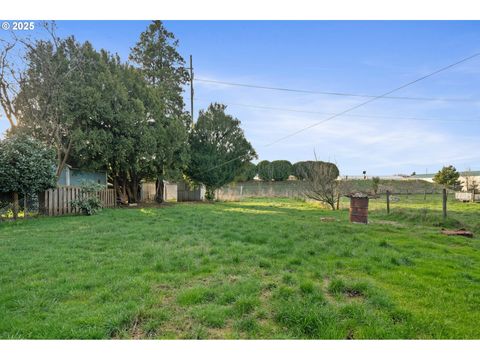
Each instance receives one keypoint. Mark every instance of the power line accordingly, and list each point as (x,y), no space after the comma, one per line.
(358,106)
(375,98)
(262,107)
(335,93)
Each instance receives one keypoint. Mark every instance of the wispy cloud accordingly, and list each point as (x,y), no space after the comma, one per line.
(380,145)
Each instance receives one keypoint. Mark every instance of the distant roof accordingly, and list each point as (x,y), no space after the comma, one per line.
(369,177)
(427,176)
(423,176)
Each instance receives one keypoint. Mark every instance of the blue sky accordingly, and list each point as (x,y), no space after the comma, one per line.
(336,56)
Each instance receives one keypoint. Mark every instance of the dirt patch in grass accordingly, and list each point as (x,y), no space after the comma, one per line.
(352,293)
(335,288)
(221,333)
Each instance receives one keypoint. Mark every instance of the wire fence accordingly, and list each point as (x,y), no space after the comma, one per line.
(296,188)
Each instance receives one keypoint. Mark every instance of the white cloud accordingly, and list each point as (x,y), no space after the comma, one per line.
(382,146)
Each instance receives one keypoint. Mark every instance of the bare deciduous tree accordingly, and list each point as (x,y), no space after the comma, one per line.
(321,182)
(12,70)
(34,76)
(10,78)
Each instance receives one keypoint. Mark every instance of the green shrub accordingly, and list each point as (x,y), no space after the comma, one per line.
(247,173)
(281,170)
(265,170)
(89,203)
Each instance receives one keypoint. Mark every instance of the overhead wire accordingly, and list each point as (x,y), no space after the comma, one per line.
(333,93)
(336,115)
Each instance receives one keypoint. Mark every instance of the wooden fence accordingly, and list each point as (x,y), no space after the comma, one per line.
(185,193)
(59,201)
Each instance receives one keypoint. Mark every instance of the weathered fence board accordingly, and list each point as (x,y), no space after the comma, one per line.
(59,201)
(185,193)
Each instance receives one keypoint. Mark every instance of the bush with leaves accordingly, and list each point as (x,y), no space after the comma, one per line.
(299,169)
(247,173)
(89,203)
(281,170)
(27,167)
(265,170)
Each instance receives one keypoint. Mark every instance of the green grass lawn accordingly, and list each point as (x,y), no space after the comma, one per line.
(261,268)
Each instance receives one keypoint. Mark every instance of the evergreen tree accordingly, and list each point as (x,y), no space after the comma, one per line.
(219,149)
(163,68)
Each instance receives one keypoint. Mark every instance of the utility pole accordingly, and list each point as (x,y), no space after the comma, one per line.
(191,88)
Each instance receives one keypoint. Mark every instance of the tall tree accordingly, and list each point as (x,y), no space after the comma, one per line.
(163,68)
(59,99)
(219,149)
(122,137)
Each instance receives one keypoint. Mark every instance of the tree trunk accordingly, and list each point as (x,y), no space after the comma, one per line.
(444,204)
(160,189)
(25,206)
(122,188)
(128,187)
(62,160)
(15,205)
(132,190)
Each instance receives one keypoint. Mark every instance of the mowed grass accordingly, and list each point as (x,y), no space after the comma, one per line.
(261,268)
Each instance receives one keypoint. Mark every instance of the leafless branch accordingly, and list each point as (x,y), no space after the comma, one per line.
(321,182)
